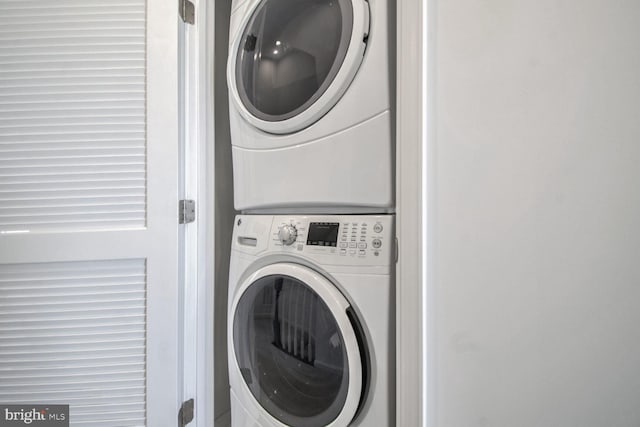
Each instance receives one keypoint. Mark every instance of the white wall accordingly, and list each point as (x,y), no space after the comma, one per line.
(537,213)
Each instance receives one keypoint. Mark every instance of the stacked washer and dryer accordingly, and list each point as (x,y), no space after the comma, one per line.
(311,295)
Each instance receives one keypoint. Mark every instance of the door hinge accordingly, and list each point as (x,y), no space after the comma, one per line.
(187,11)
(186,211)
(185,414)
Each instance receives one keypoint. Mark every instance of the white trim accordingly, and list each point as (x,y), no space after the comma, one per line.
(337,305)
(188,190)
(162,190)
(428,21)
(205,410)
(429,159)
(337,88)
(412,223)
(423,217)
(198,237)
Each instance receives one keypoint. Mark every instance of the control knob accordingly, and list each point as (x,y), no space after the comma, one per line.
(288,234)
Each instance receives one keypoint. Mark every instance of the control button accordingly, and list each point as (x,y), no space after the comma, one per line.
(363,231)
(376,253)
(362,245)
(363,239)
(343,251)
(376,243)
(352,245)
(378,227)
(361,252)
(343,238)
(352,251)
(343,244)
(353,239)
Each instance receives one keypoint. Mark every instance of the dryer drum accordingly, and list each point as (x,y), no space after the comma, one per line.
(291,351)
(290,53)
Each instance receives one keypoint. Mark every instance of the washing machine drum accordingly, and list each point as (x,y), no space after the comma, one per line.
(300,349)
(293,59)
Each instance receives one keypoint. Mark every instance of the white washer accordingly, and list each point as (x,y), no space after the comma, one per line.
(310,88)
(310,321)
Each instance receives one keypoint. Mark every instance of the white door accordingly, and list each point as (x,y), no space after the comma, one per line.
(88,208)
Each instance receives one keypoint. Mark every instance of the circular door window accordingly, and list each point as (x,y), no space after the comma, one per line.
(289,54)
(291,352)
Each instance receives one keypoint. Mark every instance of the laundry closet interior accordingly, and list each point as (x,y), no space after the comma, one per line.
(305,129)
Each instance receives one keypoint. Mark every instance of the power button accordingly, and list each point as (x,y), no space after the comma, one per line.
(377,227)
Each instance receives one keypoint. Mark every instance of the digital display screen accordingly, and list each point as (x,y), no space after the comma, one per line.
(323,234)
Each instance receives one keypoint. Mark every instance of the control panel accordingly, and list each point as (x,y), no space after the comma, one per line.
(339,239)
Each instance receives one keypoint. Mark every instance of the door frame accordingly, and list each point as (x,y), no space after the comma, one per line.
(198,238)
(415,184)
(414,193)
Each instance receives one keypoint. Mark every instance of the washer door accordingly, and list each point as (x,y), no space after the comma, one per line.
(293,59)
(295,347)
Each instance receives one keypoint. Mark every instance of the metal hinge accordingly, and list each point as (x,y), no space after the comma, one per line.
(187,11)
(185,414)
(186,211)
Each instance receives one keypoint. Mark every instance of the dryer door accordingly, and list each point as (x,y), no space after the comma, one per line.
(293,59)
(296,347)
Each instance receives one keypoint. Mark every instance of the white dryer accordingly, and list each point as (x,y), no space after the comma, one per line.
(311,93)
(310,321)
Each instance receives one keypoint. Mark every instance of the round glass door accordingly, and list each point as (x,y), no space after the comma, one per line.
(289,53)
(291,352)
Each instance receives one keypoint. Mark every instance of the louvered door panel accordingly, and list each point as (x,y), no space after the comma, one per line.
(88,209)
(74,333)
(72,115)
